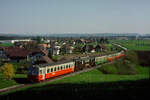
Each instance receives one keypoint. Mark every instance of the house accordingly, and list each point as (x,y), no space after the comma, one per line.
(3,55)
(69,49)
(16,54)
(26,44)
(100,48)
(88,48)
(44,46)
(54,50)
(103,47)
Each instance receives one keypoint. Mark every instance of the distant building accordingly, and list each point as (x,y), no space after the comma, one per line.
(122,38)
(13,41)
(44,46)
(88,48)
(100,48)
(69,49)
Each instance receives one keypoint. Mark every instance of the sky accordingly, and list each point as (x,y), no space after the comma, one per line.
(74,16)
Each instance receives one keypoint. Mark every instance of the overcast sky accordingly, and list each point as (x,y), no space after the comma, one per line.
(49,16)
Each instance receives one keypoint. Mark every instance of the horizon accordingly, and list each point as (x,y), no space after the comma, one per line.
(74,16)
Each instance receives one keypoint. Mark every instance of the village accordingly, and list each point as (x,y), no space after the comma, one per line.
(42,50)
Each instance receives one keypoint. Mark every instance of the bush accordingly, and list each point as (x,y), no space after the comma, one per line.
(125,67)
(127,64)
(108,69)
(21,67)
(7,71)
(132,57)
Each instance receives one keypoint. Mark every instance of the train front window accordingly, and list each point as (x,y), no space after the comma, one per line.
(40,72)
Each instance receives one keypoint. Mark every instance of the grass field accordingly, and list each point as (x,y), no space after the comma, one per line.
(93,84)
(134,44)
(6,44)
(8,83)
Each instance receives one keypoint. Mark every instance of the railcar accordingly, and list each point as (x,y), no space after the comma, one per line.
(84,62)
(100,60)
(110,57)
(38,73)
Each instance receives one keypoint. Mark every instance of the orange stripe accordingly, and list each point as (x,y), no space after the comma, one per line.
(57,73)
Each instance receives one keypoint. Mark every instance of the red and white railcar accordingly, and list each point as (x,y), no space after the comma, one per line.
(38,73)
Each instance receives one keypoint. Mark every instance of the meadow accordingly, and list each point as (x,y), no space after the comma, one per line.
(139,45)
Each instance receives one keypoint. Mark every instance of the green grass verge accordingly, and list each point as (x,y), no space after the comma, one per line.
(7,83)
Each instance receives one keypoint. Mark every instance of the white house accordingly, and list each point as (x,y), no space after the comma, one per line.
(55,50)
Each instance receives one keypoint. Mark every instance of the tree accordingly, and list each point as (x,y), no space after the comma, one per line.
(7,71)
(1,62)
(63,49)
(77,49)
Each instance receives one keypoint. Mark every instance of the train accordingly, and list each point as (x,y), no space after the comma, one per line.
(38,73)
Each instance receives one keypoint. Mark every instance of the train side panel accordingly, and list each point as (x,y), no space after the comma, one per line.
(100,60)
(59,70)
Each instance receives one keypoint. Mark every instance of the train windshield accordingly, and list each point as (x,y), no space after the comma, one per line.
(33,70)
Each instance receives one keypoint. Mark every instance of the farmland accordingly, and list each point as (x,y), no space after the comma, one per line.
(139,45)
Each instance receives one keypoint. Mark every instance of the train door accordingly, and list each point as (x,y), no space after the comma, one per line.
(44,73)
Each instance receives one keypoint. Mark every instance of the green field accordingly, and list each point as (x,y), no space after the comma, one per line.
(141,45)
(6,44)
(88,84)
(7,83)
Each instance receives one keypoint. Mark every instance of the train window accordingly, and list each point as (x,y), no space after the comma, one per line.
(51,69)
(54,69)
(66,66)
(69,66)
(40,71)
(48,70)
(61,68)
(58,68)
